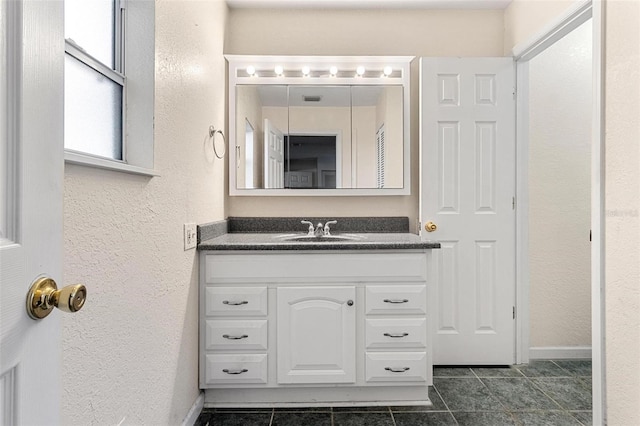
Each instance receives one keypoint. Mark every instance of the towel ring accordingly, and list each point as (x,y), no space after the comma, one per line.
(212,135)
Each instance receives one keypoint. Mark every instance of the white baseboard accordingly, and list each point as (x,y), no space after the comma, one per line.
(560,352)
(194,412)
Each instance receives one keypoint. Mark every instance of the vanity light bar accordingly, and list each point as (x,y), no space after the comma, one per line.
(306,72)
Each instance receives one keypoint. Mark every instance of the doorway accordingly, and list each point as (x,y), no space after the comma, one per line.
(559,113)
(577,15)
(310,161)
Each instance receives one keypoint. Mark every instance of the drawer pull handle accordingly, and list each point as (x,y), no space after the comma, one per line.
(396,335)
(232,303)
(226,370)
(226,336)
(395,300)
(397,369)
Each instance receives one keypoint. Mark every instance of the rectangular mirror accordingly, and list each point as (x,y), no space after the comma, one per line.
(294,136)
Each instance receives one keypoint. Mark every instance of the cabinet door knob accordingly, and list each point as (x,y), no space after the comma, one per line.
(430,226)
(350,302)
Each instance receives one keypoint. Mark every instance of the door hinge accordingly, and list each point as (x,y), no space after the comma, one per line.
(418,225)
(514,312)
(513,203)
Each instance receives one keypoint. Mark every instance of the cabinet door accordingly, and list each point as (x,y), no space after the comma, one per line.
(316,334)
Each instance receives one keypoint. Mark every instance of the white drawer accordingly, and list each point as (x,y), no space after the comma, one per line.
(396,333)
(236,335)
(303,266)
(396,367)
(235,301)
(396,299)
(227,369)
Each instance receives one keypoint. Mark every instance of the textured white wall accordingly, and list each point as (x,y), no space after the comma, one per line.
(132,352)
(359,32)
(622,204)
(560,114)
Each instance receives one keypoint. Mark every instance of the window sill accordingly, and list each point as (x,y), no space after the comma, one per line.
(103,163)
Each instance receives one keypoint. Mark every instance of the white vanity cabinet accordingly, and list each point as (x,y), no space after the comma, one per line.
(282,328)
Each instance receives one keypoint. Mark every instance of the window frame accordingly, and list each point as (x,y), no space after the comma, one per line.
(134,63)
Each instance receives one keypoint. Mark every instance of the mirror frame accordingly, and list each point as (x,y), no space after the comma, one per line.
(265,65)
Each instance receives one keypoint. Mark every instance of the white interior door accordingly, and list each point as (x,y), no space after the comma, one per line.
(273,156)
(467,190)
(31,178)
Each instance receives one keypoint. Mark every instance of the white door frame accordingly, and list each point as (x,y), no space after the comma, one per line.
(573,17)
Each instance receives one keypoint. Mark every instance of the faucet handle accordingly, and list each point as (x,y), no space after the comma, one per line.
(306,222)
(326,226)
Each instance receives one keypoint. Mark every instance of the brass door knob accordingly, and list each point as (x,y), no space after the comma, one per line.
(44,295)
(430,226)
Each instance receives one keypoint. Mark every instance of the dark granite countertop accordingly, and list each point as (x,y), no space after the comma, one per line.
(246,234)
(369,241)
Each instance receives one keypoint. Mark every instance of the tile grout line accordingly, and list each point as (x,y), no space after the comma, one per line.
(506,409)
(393,419)
(445,404)
(530,379)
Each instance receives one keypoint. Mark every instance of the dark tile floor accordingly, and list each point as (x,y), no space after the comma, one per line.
(553,393)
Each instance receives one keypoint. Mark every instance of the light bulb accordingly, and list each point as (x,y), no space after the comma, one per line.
(251,70)
(279,70)
(388,70)
(333,71)
(305,70)
(360,70)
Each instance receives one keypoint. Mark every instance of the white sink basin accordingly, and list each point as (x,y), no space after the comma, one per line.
(320,239)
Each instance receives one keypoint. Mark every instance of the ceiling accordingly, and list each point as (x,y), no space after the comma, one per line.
(368,4)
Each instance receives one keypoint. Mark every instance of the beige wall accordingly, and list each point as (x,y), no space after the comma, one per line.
(560,117)
(132,352)
(622,204)
(524,19)
(358,32)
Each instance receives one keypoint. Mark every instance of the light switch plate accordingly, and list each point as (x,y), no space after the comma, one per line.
(190,236)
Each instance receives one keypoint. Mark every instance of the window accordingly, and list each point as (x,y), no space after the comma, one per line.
(109,71)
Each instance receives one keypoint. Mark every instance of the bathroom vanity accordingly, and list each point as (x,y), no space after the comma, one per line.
(339,322)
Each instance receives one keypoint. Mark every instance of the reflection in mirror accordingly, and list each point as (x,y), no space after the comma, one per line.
(254,106)
(377,137)
(308,137)
(319,139)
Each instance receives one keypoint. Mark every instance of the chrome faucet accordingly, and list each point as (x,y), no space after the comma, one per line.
(326,226)
(319,230)
(306,222)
